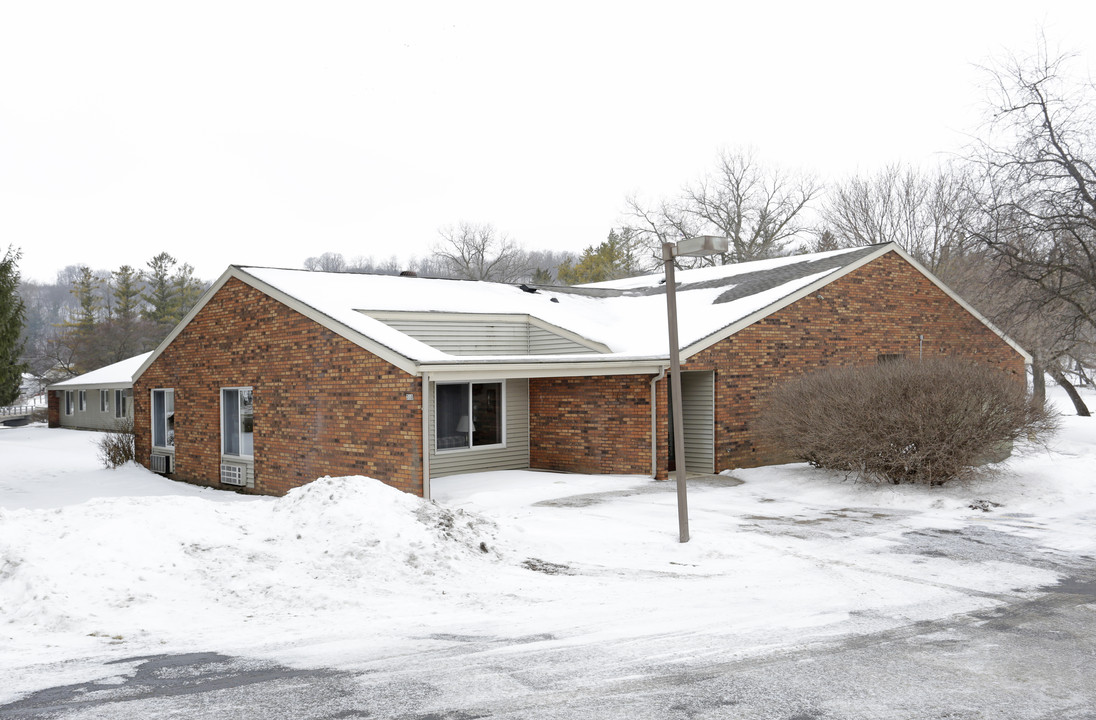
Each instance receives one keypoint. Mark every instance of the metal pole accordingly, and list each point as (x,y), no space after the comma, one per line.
(675,393)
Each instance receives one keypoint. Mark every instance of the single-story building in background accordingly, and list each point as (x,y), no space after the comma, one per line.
(277,377)
(96,400)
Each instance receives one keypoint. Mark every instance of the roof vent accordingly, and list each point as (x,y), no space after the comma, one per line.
(409,273)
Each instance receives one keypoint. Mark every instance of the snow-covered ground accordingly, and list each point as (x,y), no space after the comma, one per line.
(109,564)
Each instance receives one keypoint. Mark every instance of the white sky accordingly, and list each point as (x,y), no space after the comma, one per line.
(263,133)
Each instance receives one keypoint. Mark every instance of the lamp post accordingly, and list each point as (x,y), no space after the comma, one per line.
(690,247)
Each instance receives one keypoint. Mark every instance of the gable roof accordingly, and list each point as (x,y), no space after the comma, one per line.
(116,375)
(600,328)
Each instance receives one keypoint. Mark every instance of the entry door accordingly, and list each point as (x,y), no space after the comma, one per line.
(698,406)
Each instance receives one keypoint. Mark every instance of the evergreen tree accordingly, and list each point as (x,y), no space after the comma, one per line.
(87,301)
(542,276)
(187,290)
(126,293)
(12,317)
(160,292)
(125,334)
(613,259)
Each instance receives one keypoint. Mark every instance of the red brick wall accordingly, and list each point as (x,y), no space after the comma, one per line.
(53,411)
(590,424)
(882,308)
(323,405)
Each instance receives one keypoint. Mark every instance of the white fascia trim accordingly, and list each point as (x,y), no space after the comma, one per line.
(442,373)
(782,303)
(205,298)
(966,306)
(822,282)
(69,385)
(381,351)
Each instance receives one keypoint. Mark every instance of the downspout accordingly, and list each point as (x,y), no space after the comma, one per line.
(425,436)
(654,422)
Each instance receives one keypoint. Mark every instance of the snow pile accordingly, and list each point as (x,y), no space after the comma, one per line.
(168,566)
(348,572)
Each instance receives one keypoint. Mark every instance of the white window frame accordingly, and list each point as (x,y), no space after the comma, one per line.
(82,395)
(240,428)
(502,416)
(104,401)
(120,410)
(152,414)
(70,403)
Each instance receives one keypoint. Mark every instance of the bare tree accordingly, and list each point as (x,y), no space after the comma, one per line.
(369,266)
(1044,326)
(761,210)
(327,262)
(925,212)
(473,251)
(1037,186)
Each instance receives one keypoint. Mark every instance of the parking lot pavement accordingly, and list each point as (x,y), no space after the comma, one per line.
(1027,658)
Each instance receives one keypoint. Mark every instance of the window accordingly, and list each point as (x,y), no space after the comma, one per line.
(469,415)
(83,400)
(69,403)
(163,418)
(237,422)
(120,408)
(104,401)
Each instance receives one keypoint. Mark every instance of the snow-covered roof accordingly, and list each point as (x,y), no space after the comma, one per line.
(116,375)
(613,326)
(626,317)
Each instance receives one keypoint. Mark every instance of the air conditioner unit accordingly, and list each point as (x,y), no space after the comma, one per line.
(162,464)
(232,475)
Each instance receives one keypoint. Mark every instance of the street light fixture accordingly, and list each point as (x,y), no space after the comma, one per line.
(699,246)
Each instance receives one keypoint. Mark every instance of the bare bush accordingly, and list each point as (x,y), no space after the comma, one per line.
(116,448)
(903,421)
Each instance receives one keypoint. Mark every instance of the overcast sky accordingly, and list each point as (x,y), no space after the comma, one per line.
(263,133)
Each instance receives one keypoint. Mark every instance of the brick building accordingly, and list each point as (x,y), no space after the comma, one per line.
(278,377)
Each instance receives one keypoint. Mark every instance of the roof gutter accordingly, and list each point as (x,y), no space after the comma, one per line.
(504,369)
(426,436)
(654,421)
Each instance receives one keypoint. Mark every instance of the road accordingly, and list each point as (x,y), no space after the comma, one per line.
(1025,658)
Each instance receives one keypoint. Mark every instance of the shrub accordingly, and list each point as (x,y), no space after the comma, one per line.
(905,421)
(116,448)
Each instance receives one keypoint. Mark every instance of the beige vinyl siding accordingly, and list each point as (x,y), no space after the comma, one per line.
(545,342)
(513,456)
(91,418)
(698,405)
(495,336)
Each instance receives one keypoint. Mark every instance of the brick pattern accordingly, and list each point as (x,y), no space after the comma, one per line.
(322,405)
(881,308)
(53,411)
(590,424)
